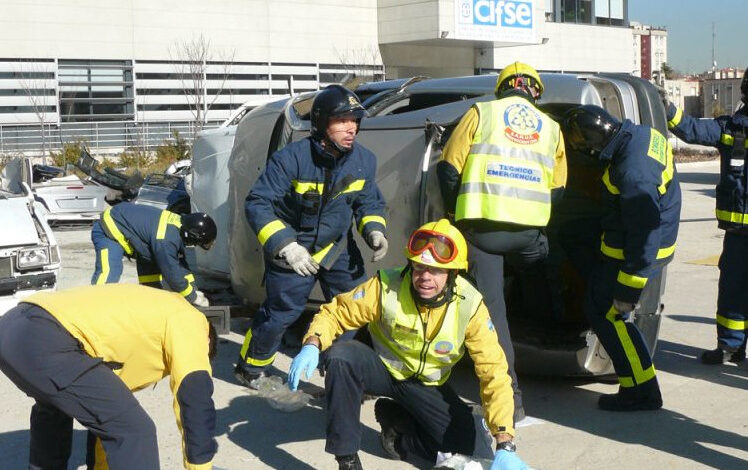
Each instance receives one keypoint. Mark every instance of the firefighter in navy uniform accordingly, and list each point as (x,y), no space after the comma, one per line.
(638,240)
(728,135)
(421,319)
(81,352)
(156,239)
(301,208)
(501,168)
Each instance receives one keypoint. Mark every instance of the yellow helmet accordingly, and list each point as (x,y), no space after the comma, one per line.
(508,75)
(438,244)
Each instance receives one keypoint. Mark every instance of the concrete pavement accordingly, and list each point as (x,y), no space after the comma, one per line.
(704,422)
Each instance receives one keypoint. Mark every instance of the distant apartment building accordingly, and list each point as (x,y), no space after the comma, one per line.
(721,92)
(686,94)
(650,51)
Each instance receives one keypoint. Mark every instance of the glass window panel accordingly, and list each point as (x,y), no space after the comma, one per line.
(602,8)
(616,9)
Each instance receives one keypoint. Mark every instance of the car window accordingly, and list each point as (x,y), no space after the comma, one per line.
(610,97)
(406,103)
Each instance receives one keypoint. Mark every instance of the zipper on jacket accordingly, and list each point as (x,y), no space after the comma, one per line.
(426,344)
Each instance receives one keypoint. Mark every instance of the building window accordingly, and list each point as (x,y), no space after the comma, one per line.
(609,12)
(576,11)
(92,90)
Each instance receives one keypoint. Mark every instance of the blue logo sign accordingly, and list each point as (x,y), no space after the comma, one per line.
(507,13)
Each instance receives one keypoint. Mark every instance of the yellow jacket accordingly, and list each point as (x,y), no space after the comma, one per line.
(458,146)
(152,333)
(361,306)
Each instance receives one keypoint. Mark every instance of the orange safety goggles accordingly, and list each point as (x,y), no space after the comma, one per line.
(442,247)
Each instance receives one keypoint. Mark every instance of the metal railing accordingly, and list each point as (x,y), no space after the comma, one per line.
(105,136)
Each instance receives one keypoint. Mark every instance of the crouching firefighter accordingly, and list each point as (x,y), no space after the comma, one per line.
(638,240)
(156,239)
(301,208)
(421,319)
(82,352)
(728,135)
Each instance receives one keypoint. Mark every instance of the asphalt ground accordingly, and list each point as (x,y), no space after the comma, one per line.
(704,422)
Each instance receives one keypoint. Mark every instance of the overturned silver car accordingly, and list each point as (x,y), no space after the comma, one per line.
(409,122)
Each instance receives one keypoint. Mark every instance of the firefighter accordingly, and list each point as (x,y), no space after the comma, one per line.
(501,168)
(156,239)
(420,318)
(301,208)
(639,232)
(728,135)
(81,352)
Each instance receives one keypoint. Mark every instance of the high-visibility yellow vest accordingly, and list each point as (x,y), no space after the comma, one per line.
(399,335)
(509,171)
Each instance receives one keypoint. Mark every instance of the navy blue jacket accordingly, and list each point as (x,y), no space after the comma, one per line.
(644,206)
(732,193)
(152,235)
(308,196)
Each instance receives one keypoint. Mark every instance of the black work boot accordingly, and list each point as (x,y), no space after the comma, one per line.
(720,356)
(248,379)
(393,419)
(348,462)
(642,397)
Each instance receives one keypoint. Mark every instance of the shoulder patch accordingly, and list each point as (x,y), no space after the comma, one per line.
(359,294)
(658,147)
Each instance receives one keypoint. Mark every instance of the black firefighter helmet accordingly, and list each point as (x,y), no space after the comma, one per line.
(744,86)
(333,101)
(198,229)
(589,128)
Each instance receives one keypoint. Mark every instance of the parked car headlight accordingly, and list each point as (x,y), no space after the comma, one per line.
(33,257)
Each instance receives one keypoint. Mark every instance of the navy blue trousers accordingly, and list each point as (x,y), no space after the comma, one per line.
(48,364)
(621,339)
(287,295)
(732,300)
(442,421)
(109,255)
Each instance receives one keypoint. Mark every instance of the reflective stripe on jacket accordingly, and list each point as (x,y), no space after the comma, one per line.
(153,236)
(726,134)
(306,195)
(644,200)
(399,335)
(362,305)
(508,174)
(152,333)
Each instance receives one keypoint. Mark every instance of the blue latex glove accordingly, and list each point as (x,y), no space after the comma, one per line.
(306,360)
(505,460)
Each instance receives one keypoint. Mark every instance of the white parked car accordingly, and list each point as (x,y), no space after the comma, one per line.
(29,255)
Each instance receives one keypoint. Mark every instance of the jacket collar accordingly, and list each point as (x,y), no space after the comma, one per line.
(618,141)
(325,158)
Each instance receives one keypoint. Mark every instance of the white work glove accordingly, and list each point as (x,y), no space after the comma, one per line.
(200,300)
(377,242)
(299,259)
(623,307)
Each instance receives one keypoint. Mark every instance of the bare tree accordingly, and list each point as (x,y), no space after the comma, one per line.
(192,60)
(37,83)
(361,65)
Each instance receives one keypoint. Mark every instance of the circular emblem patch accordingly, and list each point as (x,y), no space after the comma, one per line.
(443,347)
(523,124)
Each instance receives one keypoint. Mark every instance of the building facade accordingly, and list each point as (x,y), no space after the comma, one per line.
(119,70)
(650,51)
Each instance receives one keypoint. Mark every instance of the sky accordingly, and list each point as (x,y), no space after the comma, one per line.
(689,25)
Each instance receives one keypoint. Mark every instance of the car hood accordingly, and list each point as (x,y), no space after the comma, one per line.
(14,212)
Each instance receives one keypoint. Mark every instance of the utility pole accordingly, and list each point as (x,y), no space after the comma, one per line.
(714,39)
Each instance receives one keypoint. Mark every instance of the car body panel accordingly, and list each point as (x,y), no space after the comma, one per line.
(406,129)
(25,229)
(210,193)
